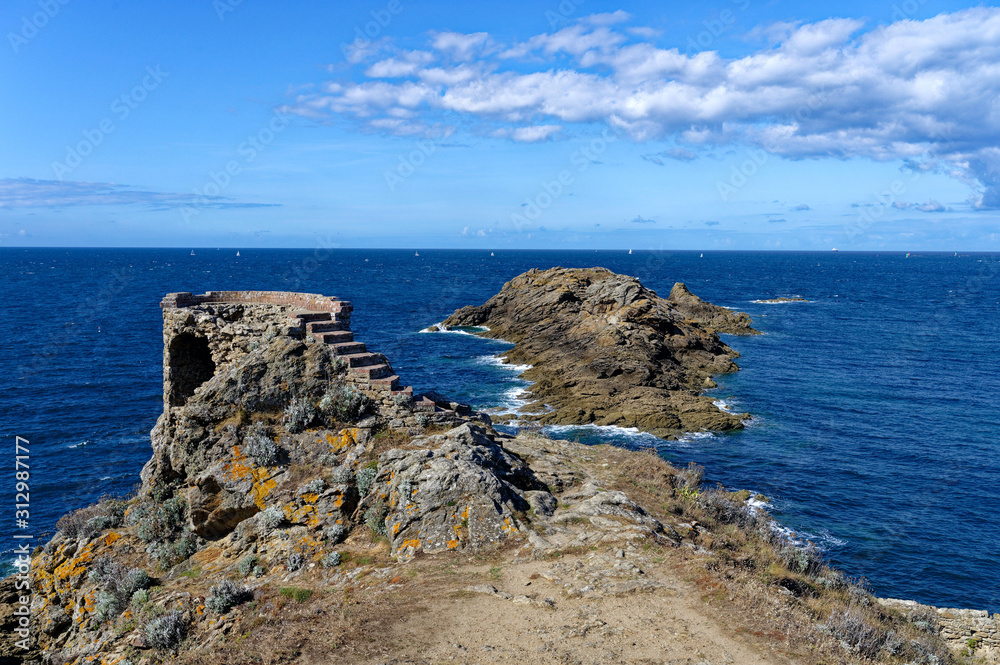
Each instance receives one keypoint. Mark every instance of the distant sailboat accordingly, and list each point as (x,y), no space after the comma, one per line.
(907,255)
(702,256)
(192,252)
(492,254)
(835,249)
(237,252)
(630,251)
(416,253)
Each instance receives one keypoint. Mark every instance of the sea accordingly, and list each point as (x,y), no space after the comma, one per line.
(875,413)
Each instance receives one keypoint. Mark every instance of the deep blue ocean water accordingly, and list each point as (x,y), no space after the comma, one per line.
(876,410)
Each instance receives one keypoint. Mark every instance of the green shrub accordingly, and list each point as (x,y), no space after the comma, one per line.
(167,631)
(375,518)
(117,584)
(226,595)
(170,553)
(297,594)
(161,521)
(107,513)
(248,565)
(140,598)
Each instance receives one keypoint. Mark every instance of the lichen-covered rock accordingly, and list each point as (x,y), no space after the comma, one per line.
(450,491)
(604,349)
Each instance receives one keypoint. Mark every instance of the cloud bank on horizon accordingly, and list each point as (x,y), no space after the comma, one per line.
(926,92)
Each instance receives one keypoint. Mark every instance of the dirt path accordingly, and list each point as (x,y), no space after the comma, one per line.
(614,606)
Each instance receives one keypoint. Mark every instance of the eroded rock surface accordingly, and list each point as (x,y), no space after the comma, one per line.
(606,350)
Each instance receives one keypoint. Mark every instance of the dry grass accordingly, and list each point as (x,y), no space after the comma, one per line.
(766,587)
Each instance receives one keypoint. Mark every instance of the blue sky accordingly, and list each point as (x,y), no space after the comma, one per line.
(738,124)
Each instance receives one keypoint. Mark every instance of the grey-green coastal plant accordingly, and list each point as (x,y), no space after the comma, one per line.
(298,415)
(345,404)
(272,517)
(226,595)
(248,565)
(116,583)
(260,447)
(375,517)
(364,478)
(167,631)
(335,533)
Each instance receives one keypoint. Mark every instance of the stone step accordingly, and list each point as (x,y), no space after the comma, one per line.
(390,383)
(348,348)
(326,326)
(374,371)
(335,337)
(406,390)
(360,360)
(423,404)
(308,317)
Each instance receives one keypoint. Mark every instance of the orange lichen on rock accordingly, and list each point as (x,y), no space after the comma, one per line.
(345,439)
(241,469)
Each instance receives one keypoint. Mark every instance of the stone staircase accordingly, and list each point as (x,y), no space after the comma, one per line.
(333,329)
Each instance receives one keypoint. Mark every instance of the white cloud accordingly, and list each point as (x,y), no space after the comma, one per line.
(923,91)
(31,193)
(461,46)
(535,134)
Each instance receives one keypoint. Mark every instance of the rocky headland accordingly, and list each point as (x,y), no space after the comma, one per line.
(302,506)
(606,350)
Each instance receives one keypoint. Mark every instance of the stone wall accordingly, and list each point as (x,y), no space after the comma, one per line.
(972,631)
(201,338)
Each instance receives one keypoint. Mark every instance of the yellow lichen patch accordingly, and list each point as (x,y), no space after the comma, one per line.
(310,497)
(395,528)
(75,566)
(345,439)
(414,543)
(89,603)
(111,538)
(508,525)
(452,544)
(305,515)
(241,469)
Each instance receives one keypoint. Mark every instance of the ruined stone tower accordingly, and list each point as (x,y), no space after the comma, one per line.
(204,333)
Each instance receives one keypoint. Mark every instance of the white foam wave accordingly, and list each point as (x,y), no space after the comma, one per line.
(632,435)
(474,331)
(497,361)
(78,445)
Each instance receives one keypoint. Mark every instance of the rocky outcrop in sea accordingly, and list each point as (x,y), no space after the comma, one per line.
(606,350)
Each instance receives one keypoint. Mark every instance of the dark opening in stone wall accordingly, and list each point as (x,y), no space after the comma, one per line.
(191,365)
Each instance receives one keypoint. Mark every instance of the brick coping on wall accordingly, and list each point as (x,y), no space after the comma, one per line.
(313,302)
